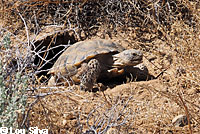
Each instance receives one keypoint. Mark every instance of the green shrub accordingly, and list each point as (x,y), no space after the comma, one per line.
(12,91)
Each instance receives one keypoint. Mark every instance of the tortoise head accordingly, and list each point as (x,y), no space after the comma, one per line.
(129,57)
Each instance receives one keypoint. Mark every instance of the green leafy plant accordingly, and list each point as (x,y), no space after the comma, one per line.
(12,92)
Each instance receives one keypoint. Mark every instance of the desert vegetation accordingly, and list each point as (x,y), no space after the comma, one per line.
(34,33)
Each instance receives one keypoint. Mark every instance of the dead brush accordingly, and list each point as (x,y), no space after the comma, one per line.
(100,120)
(146,24)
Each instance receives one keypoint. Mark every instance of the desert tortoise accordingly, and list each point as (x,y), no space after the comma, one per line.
(85,61)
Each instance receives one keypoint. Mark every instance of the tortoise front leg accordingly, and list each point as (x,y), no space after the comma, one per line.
(90,75)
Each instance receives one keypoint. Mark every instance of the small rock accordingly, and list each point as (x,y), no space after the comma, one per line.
(64,122)
(180,121)
(112,131)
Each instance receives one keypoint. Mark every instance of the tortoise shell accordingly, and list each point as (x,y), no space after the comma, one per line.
(80,52)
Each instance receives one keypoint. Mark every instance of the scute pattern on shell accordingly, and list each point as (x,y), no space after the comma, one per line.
(84,50)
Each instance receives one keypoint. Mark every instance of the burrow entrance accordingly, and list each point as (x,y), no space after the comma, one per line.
(49,49)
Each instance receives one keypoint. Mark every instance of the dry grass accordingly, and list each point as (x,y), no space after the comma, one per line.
(166,31)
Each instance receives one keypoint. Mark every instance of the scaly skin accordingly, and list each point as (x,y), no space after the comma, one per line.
(89,77)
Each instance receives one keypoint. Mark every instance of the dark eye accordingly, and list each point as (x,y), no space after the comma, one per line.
(134,54)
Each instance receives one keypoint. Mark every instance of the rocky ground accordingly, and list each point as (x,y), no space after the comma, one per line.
(168,102)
